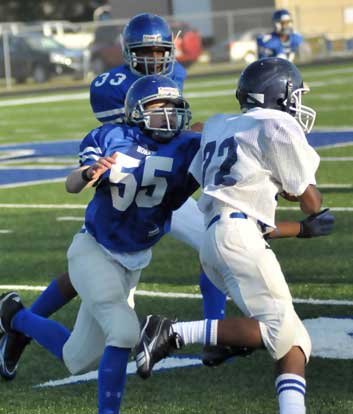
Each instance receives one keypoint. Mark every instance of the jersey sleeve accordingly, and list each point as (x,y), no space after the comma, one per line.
(195,168)
(90,149)
(265,46)
(292,161)
(296,41)
(179,75)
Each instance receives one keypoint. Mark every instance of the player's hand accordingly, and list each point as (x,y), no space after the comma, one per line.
(319,224)
(288,197)
(101,166)
(197,127)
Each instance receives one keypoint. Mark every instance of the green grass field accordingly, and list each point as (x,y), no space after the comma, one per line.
(34,251)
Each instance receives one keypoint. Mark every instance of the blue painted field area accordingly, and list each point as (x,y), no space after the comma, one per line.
(16,176)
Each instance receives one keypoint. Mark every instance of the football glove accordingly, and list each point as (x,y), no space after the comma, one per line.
(315,225)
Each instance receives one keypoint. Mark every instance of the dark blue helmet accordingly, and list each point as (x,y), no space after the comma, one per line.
(275,83)
(161,123)
(148,31)
(282,22)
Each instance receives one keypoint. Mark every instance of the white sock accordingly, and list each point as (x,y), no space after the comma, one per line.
(291,394)
(197,332)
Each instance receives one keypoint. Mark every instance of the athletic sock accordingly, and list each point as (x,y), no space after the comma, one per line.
(111,379)
(48,333)
(291,394)
(214,301)
(197,332)
(49,301)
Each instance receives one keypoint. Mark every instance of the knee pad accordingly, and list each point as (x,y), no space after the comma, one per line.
(279,334)
(122,328)
(302,340)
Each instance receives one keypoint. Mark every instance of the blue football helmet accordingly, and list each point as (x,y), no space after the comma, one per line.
(164,122)
(276,84)
(282,22)
(148,31)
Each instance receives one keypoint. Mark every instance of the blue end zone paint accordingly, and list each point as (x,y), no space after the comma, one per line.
(42,149)
(16,176)
(13,175)
(329,138)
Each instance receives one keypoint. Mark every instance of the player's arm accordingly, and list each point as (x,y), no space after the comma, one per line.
(87,176)
(310,200)
(315,225)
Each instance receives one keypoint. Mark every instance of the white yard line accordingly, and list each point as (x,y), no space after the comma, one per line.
(333,185)
(178,295)
(70,218)
(45,206)
(34,182)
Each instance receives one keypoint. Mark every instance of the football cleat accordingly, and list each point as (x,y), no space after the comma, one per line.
(12,346)
(157,341)
(10,304)
(214,355)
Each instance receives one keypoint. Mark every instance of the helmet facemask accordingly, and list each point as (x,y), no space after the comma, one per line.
(162,123)
(149,65)
(303,114)
(284,26)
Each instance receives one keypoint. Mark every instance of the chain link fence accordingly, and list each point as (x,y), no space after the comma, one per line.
(37,53)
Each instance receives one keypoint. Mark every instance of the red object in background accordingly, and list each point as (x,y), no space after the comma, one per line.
(188,45)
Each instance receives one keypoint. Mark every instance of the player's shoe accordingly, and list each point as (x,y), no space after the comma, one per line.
(157,341)
(10,304)
(214,355)
(12,346)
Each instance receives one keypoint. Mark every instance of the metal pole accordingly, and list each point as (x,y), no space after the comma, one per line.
(7,59)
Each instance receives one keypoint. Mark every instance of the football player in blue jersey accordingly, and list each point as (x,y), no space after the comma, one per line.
(148,47)
(140,175)
(283,42)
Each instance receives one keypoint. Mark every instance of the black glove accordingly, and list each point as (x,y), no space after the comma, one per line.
(319,224)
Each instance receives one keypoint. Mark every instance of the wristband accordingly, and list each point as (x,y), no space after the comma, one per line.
(84,176)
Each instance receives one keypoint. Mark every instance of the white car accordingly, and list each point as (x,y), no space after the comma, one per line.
(68,34)
(241,47)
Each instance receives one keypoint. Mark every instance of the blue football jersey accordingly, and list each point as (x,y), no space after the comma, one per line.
(108,90)
(270,45)
(132,206)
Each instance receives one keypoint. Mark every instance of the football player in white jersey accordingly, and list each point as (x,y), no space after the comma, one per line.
(244,162)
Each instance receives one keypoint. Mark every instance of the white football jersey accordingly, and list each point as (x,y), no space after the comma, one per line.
(245,160)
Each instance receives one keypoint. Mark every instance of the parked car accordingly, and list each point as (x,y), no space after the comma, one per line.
(106,51)
(68,34)
(241,47)
(40,57)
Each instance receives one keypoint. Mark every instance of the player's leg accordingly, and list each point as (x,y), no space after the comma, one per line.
(239,260)
(15,317)
(104,287)
(254,280)
(54,297)
(12,345)
(188,226)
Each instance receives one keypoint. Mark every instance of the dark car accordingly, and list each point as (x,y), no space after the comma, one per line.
(106,50)
(39,57)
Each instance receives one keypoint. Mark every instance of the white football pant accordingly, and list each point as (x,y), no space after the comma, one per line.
(240,263)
